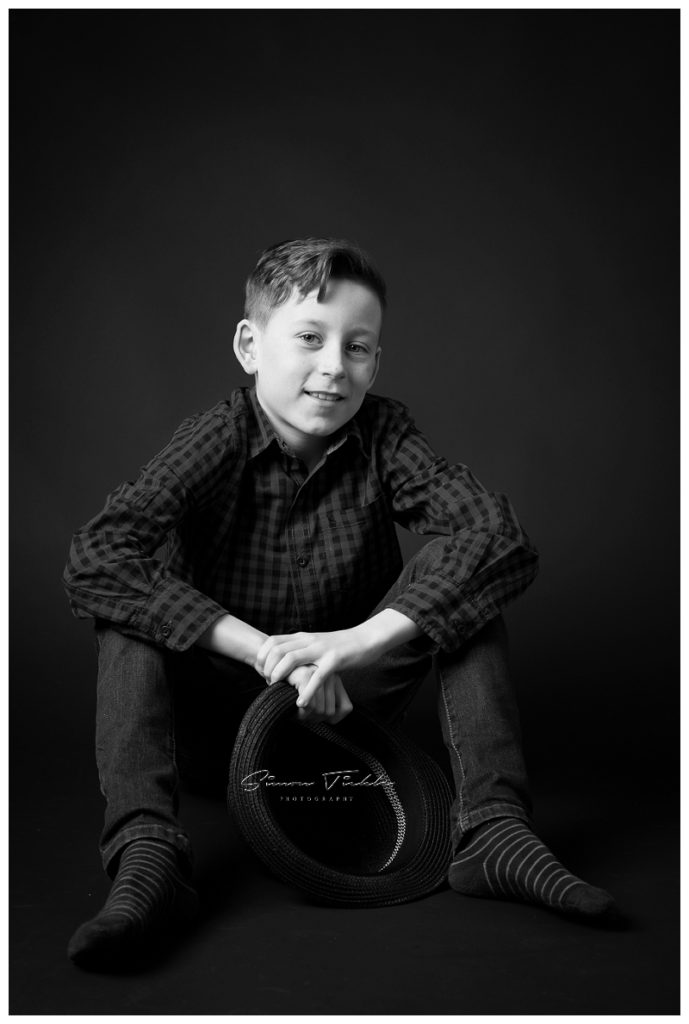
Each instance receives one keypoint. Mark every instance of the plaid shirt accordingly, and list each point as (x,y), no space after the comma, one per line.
(249,532)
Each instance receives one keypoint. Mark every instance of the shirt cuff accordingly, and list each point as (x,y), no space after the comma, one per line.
(447,631)
(176,615)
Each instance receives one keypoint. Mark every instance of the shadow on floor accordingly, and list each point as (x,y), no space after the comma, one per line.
(260,947)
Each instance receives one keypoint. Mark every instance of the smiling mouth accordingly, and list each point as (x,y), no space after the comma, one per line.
(325,396)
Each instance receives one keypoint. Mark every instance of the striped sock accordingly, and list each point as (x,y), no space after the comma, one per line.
(148,894)
(504,859)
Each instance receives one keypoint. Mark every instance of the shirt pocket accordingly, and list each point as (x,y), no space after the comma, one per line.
(358,559)
(342,518)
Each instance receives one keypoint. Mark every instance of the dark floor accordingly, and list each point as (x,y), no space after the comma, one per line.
(262,949)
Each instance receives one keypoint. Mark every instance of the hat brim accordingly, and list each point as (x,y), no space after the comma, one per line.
(410,838)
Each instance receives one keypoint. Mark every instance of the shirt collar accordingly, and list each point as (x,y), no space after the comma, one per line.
(262,433)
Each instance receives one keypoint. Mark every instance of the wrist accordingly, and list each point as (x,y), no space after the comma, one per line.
(233,638)
(370,638)
(388,629)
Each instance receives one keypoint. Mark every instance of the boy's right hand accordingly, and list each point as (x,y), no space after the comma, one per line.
(330,703)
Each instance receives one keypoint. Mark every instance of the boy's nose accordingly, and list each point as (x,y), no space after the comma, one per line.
(331,363)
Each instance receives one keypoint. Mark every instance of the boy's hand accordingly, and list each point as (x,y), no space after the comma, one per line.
(332,652)
(329,652)
(330,703)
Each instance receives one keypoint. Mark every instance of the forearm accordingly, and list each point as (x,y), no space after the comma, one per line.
(330,653)
(233,638)
(386,630)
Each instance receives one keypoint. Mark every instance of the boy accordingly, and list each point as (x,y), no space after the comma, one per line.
(278,507)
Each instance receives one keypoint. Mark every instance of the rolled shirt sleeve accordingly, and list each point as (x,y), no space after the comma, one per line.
(487,559)
(114,571)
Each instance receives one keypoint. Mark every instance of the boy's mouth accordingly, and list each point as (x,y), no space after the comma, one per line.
(325,396)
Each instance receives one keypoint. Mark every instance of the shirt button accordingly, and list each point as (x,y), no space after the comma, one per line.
(166,629)
(301,561)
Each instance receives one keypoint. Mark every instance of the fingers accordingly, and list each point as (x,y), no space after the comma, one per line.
(344,703)
(267,651)
(307,692)
(313,711)
(279,655)
(328,691)
(330,702)
(300,676)
(290,661)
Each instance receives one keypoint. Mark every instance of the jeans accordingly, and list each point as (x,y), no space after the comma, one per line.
(162,714)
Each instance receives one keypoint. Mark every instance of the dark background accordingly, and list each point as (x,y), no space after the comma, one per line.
(515,176)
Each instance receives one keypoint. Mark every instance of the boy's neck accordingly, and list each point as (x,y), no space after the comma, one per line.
(311,456)
(310,450)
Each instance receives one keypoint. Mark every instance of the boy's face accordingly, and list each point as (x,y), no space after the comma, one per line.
(314,362)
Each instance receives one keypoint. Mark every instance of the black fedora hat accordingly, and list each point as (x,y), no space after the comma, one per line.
(354,814)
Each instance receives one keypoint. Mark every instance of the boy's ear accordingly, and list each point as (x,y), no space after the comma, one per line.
(244,345)
(375,369)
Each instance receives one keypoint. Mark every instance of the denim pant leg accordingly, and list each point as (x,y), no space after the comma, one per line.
(479,718)
(212,694)
(476,705)
(135,746)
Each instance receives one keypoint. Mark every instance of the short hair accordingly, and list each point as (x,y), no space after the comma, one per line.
(305,264)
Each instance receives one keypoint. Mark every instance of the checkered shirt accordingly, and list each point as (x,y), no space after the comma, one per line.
(248,531)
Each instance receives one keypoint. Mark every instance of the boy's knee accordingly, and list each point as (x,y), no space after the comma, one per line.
(113,645)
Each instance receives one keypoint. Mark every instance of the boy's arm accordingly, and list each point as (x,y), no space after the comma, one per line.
(113,572)
(334,651)
(326,698)
(486,560)
(233,638)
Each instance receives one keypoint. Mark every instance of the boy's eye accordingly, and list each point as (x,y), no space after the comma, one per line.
(309,338)
(357,348)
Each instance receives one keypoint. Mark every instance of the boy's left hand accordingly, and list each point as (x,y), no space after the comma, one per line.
(329,652)
(332,652)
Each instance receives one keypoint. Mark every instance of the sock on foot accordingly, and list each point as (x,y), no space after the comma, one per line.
(504,859)
(148,894)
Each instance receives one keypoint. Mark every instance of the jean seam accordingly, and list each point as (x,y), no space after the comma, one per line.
(443,691)
(172,742)
(473,819)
